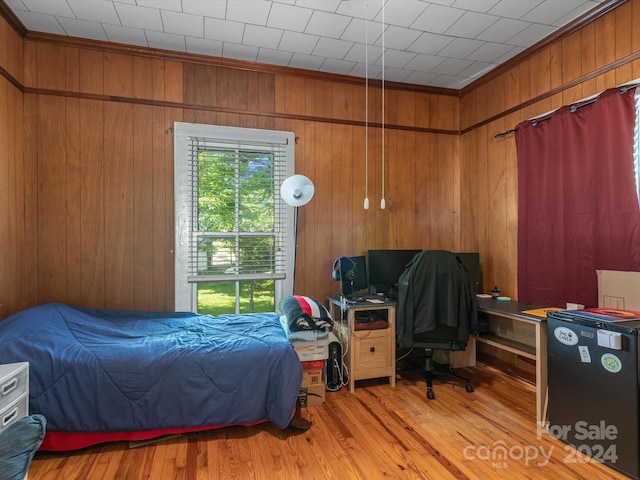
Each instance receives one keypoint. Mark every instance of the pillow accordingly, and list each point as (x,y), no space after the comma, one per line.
(18,444)
(305,313)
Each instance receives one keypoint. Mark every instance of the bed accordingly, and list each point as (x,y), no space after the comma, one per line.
(101,375)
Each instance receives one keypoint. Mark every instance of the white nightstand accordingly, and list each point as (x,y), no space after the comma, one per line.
(14,392)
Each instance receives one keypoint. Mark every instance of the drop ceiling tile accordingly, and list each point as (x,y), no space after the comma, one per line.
(83,29)
(289,17)
(103,12)
(395,74)
(203,46)
(309,62)
(395,58)
(360,9)
(166,41)
(327,24)
(15,4)
(548,12)
(477,69)
(583,8)
(262,36)
(139,17)
(405,16)
(475,5)
(361,70)
(358,53)
(40,22)
(421,78)
(437,18)
(503,30)
(514,8)
(182,23)
(531,35)
(340,67)
(239,52)
(471,24)
(175,5)
(249,11)
(325,5)
(398,37)
(489,52)
(332,48)
(430,43)
(447,81)
(360,31)
(125,35)
(424,63)
(274,57)
(461,48)
(224,31)
(452,66)
(512,53)
(298,42)
(60,8)
(210,8)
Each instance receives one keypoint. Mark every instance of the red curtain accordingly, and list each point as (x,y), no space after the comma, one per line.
(577,200)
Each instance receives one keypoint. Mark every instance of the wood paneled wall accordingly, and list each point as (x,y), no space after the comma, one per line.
(15,266)
(86,149)
(601,55)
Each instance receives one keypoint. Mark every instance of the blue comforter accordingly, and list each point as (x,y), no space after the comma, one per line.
(114,371)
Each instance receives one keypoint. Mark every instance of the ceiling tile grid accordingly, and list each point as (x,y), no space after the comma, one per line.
(441,43)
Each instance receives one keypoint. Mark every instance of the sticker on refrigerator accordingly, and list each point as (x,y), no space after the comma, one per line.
(585,356)
(565,335)
(611,363)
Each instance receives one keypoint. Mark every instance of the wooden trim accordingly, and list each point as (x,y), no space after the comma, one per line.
(228,63)
(11,79)
(554,91)
(585,19)
(12,20)
(191,106)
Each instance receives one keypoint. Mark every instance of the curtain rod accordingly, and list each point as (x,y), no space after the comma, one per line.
(572,108)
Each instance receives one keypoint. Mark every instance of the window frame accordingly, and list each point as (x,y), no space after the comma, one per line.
(186,292)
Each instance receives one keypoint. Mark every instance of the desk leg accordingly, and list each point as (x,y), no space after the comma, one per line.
(541,373)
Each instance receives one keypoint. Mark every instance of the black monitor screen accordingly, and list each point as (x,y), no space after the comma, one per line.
(353,275)
(386,266)
(471,260)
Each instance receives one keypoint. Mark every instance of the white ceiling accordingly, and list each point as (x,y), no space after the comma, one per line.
(441,43)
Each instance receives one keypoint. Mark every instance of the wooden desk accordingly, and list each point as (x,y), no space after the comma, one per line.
(510,330)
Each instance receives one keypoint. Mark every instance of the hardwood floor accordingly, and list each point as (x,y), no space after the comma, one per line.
(377,432)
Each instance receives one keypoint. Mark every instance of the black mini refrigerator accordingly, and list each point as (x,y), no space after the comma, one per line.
(594,398)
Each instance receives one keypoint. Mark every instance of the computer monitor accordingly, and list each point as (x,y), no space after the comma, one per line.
(385,268)
(353,276)
(471,260)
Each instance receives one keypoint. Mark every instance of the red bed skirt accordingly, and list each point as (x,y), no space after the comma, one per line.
(62,441)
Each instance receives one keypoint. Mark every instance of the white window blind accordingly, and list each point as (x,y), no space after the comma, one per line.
(231,223)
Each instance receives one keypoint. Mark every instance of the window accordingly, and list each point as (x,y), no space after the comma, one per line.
(234,233)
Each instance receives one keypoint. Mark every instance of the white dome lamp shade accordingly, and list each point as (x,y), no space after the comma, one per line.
(297,190)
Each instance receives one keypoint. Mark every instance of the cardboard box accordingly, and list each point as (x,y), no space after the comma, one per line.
(313,372)
(618,290)
(312,395)
(315,350)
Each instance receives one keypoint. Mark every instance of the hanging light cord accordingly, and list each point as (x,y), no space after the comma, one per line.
(382,202)
(366,109)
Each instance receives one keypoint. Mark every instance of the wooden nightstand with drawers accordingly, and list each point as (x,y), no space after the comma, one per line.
(369,351)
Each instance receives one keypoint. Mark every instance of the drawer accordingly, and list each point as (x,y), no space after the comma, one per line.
(14,382)
(373,351)
(18,409)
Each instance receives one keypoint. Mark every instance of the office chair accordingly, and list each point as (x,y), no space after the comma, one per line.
(437,308)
